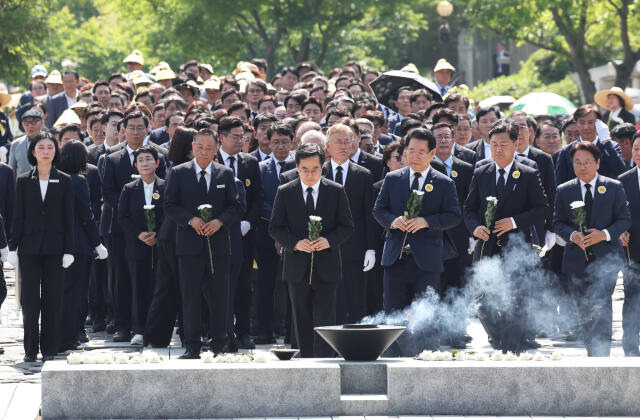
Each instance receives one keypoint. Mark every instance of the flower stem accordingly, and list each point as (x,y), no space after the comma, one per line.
(403,242)
(311,269)
(210,256)
(628,254)
(482,249)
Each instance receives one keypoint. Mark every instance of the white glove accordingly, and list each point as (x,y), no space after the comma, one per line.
(245,227)
(67,260)
(602,130)
(472,245)
(549,240)
(102,252)
(3,154)
(4,253)
(13,258)
(369,260)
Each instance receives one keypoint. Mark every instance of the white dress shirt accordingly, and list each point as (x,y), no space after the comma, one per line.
(130,152)
(487,150)
(355,156)
(421,180)
(314,194)
(148,191)
(226,162)
(43,188)
(583,191)
(345,169)
(525,152)
(507,170)
(71,101)
(207,175)
(263,155)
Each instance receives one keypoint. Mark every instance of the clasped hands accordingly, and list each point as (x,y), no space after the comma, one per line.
(593,236)
(409,225)
(148,238)
(501,227)
(306,245)
(206,229)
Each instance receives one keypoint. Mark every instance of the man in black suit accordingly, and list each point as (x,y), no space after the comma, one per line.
(371,162)
(118,171)
(485,118)
(312,287)
(203,248)
(413,253)
(245,168)
(261,124)
(631,240)
(611,162)
(521,204)
(7,189)
(448,116)
(607,217)
(109,122)
(63,100)
(358,252)
(280,139)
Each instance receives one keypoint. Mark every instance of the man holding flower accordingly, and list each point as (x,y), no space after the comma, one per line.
(607,217)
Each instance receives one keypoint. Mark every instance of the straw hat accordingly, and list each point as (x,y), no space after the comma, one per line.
(411,68)
(212,84)
(443,64)
(601,97)
(54,78)
(134,57)
(68,117)
(79,105)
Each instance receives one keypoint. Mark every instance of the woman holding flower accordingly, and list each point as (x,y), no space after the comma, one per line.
(140,215)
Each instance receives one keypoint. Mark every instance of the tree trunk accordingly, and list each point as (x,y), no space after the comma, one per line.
(623,73)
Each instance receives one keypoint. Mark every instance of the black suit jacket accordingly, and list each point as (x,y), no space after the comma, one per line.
(94,152)
(85,230)
(478,147)
(7,192)
(525,202)
(182,198)
(629,181)
(55,107)
(611,162)
(249,174)
(624,115)
(132,219)
(373,164)
(465,154)
(359,189)
(117,172)
(95,190)
(159,136)
(610,211)
(546,171)
(43,228)
(290,224)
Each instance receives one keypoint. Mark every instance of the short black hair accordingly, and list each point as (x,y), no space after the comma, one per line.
(99,83)
(586,146)
(111,113)
(96,120)
(73,72)
(420,92)
(308,150)
(167,119)
(505,126)
(70,127)
(402,89)
(432,107)
(298,97)
(145,149)
(454,97)
(484,111)
(408,124)
(585,110)
(421,134)
(290,69)
(444,113)
(280,128)
(239,106)
(311,101)
(227,123)
(264,117)
(133,115)
(73,158)
(623,131)
(43,135)
(228,93)
(116,76)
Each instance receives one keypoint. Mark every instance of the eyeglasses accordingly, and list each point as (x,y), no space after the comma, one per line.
(310,171)
(236,137)
(31,122)
(136,128)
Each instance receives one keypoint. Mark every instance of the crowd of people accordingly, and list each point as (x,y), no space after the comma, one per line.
(240,210)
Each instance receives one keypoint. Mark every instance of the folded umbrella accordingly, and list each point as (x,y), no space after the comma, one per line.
(386,85)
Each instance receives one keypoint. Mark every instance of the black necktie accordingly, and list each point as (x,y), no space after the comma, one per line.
(202,183)
(588,202)
(281,165)
(500,185)
(232,161)
(522,155)
(415,185)
(339,175)
(311,208)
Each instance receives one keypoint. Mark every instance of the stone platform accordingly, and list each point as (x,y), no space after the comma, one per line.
(317,387)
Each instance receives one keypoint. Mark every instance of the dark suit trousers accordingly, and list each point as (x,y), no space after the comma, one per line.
(593,301)
(98,289)
(267,259)
(166,302)
(312,306)
(234,278)
(631,308)
(196,281)
(352,293)
(76,286)
(142,285)
(122,286)
(3,285)
(242,308)
(42,294)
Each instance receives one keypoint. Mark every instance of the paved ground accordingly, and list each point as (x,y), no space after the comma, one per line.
(20,382)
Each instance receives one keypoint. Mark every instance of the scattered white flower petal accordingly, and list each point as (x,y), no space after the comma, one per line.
(492,200)
(207,357)
(205,206)
(510,357)
(426,355)
(496,356)
(556,356)
(538,357)
(149,206)
(315,218)
(74,359)
(122,359)
(526,356)
(480,357)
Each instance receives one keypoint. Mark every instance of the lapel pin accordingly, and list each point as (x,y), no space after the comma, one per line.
(428,188)
(602,189)
(515,174)
(454,173)
(155,196)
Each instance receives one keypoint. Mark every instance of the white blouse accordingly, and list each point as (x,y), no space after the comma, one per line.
(43,188)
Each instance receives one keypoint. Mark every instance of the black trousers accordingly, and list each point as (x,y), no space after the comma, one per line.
(312,306)
(3,285)
(98,290)
(242,307)
(631,308)
(42,295)
(142,285)
(375,287)
(196,282)
(593,301)
(122,289)
(267,260)
(76,286)
(352,293)
(166,302)
(234,277)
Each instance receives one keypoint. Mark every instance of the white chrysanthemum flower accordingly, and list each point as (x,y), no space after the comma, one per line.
(510,357)
(261,357)
(205,206)
(122,359)
(426,355)
(556,356)
(576,204)
(149,207)
(135,359)
(460,356)
(480,357)
(150,357)
(135,176)
(315,218)
(493,200)
(443,356)
(207,357)
(496,356)
(539,357)
(526,356)
(74,359)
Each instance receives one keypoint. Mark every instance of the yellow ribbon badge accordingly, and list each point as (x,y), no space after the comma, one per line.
(428,188)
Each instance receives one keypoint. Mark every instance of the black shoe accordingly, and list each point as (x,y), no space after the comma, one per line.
(232,345)
(265,339)
(530,344)
(220,348)
(457,342)
(69,346)
(98,326)
(47,358)
(1,350)
(121,337)
(245,342)
(190,354)
(111,328)
(29,359)
(82,337)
